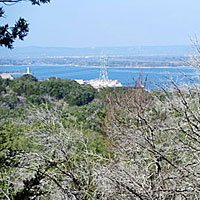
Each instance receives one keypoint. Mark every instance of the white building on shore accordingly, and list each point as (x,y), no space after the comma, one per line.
(9,75)
(97,83)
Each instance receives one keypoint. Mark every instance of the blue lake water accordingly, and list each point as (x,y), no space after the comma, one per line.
(125,75)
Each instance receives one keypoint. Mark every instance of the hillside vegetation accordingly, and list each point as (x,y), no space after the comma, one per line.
(61,140)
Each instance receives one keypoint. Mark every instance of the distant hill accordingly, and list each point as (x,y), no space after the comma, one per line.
(65,51)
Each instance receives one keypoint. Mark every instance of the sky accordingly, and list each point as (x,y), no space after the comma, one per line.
(107,23)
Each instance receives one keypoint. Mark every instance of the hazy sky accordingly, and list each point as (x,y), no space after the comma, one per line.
(93,23)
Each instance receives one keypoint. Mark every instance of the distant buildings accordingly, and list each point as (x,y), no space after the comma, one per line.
(9,75)
(6,75)
(97,83)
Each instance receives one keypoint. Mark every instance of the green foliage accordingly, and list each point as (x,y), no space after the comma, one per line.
(97,143)
(12,143)
(4,83)
(11,101)
(88,116)
(28,78)
(36,99)
(37,92)
(11,137)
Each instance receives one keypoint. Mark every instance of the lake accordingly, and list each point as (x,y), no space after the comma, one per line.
(125,75)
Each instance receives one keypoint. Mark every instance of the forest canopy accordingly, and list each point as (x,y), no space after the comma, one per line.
(61,140)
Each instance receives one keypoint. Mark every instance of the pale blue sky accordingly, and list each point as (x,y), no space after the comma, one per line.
(94,23)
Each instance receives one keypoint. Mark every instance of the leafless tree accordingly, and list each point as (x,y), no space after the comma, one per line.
(155,140)
(60,166)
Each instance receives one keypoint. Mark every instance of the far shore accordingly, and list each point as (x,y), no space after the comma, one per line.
(83,66)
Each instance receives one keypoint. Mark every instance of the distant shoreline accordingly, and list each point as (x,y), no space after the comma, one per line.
(125,67)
